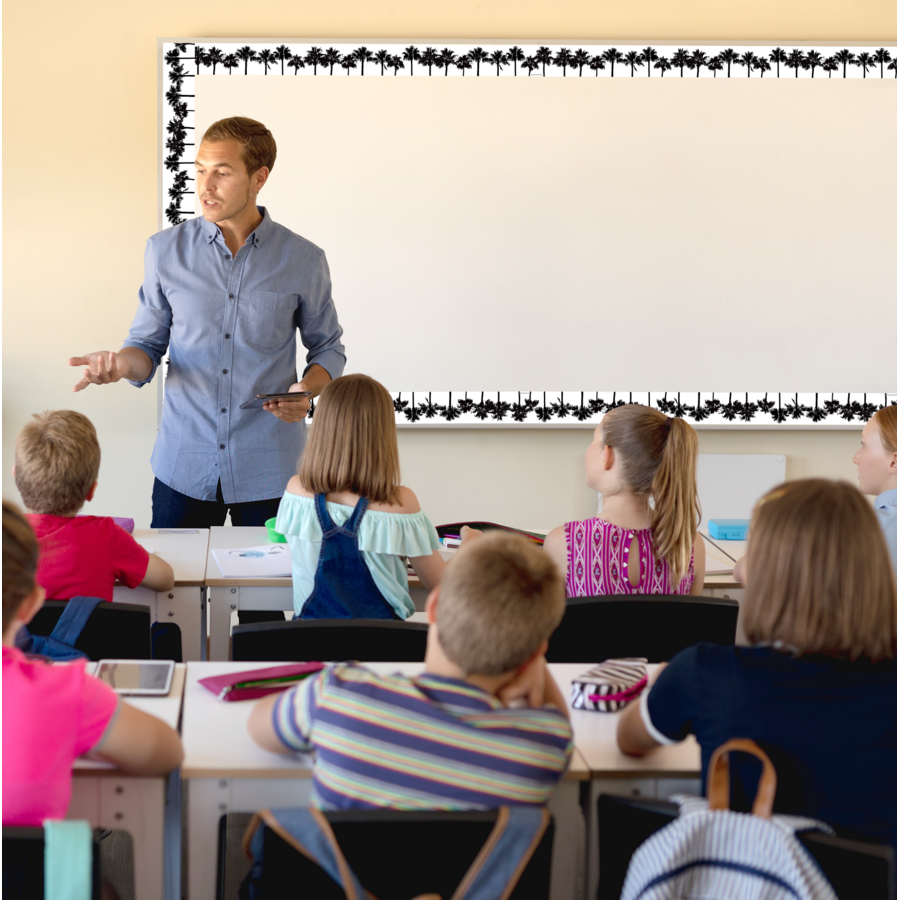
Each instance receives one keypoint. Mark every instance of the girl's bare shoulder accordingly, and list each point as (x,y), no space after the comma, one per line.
(407,503)
(295,486)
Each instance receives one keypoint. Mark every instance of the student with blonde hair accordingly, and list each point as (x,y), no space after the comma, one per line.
(55,713)
(645,539)
(56,468)
(348,521)
(448,738)
(817,690)
(876,462)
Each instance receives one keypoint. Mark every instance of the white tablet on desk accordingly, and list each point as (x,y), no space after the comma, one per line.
(137,677)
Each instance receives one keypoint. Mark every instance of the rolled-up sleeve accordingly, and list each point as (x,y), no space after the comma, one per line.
(317,320)
(150,328)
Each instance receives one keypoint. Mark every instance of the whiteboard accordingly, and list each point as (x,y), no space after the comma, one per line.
(584,233)
(729,484)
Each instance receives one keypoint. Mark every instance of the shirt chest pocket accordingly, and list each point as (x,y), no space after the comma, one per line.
(266,321)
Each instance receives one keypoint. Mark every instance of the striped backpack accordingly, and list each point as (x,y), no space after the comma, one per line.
(712,853)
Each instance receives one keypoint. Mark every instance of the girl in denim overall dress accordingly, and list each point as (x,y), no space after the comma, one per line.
(349,523)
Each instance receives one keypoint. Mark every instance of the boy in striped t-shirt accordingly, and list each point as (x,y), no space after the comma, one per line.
(484,726)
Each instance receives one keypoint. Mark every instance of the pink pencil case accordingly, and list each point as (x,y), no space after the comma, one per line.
(259,682)
(610,686)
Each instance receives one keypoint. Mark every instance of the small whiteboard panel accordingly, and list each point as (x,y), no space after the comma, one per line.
(729,484)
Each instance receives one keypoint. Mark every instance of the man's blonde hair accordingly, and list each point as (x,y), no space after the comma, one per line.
(818,574)
(255,140)
(57,461)
(500,598)
(353,442)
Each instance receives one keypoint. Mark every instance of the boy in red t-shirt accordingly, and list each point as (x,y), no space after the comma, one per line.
(57,461)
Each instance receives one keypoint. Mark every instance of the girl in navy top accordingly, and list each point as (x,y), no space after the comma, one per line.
(817,690)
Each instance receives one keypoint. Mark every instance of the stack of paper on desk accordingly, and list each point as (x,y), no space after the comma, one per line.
(266,561)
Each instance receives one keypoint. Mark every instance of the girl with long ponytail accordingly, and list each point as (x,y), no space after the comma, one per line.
(645,540)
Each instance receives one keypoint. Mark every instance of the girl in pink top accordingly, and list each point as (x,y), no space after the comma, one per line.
(55,713)
(645,541)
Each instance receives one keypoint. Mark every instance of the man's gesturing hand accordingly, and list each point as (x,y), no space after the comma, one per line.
(290,410)
(102,367)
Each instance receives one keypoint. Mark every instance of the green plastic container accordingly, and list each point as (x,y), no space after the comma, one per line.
(274,536)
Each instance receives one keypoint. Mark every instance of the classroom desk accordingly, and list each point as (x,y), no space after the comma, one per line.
(226,772)
(149,808)
(185,605)
(665,771)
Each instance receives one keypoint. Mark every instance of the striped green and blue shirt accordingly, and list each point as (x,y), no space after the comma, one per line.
(428,742)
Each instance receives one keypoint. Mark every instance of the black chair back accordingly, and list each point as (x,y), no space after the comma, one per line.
(854,868)
(655,626)
(23,864)
(438,848)
(328,640)
(114,630)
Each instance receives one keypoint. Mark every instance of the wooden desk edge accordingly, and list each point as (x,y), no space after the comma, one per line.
(249,582)
(189,771)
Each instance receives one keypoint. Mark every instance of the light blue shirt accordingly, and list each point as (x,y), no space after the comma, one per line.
(384,538)
(230,328)
(886,510)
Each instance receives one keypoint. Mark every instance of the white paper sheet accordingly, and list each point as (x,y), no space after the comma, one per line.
(265,561)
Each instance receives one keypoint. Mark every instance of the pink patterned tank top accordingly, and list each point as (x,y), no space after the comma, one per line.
(597,562)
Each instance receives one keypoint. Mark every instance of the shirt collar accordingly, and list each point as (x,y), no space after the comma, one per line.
(263,230)
(886,499)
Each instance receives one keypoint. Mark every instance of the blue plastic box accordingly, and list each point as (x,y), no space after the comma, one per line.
(729,529)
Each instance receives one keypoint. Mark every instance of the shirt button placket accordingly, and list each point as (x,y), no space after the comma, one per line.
(227,358)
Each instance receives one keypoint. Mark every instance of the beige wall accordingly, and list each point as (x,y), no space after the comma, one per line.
(79,200)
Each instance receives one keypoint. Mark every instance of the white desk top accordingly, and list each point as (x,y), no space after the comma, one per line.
(595,738)
(231,537)
(185,552)
(167,708)
(216,742)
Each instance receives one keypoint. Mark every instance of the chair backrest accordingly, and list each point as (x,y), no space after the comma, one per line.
(854,868)
(655,626)
(114,630)
(23,864)
(328,640)
(397,855)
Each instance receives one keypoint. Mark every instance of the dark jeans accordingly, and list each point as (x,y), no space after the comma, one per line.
(172,509)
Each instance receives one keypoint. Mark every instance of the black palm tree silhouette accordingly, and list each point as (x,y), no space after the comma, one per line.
(795,409)
(246,55)
(348,62)
(411,412)
(892,67)
(648,57)
(730,58)
(428,58)
(582,413)
(315,58)
(213,57)
(664,65)
(664,405)
(464,62)
(230,62)
(812,61)
(561,409)
(297,63)
(581,58)
(699,412)
(748,60)
(450,412)
(680,59)
(172,96)
(715,64)
(765,405)
(817,413)
(881,56)
(363,55)
(516,55)
(396,63)
(712,405)
(612,56)
(519,412)
(866,410)
(482,409)
(331,57)
(596,405)
(777,56)
(763,65)
(597,64)
(832,406)
(748,409)
(795,61)
(400,405)
(844,58)
(830,65)
(563,60)
(498,59)
(283,54)
(465,405)
(848,410)
(429,409)
(544,57)
(172,56)
(381,57)
(446,58)
(268,58)
(864,61)
(633,60)
(199,57)
(500,409)
(697,60)
(544,413)
(412,56)
(478,55)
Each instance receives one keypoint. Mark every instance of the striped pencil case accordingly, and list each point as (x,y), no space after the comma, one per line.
(611,685)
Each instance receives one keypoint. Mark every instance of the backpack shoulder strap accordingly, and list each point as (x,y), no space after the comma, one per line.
(505,854)
(71,623)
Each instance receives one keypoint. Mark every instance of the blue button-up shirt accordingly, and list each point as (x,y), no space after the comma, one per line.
(886,510)
(229,326)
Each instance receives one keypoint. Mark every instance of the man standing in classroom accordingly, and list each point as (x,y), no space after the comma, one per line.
(225,294)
